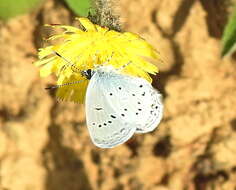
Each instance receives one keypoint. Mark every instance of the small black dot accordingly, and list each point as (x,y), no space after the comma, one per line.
(110,94)
(119,88)
(141,86)
(104,124)
(113,116)
(136,113)
(143,94)
(109,122)
(133,94)
(139,102)
(122,114)
(93,123)
(156,107)
(99,125)
(140,109)
(125,109)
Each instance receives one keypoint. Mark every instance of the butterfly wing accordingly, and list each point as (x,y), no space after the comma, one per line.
(155,108)
(118,105)
(106,126)
(145,102)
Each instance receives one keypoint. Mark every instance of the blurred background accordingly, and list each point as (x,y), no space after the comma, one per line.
(45,145)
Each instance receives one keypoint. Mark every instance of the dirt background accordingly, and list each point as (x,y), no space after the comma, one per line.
(44,144)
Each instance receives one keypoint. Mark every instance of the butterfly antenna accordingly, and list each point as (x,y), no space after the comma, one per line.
(123,66)
(62,85)
(56,53)
(69,63)
(108,60)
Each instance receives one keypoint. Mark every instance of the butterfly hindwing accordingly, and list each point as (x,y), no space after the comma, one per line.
(145,101)
(155,110)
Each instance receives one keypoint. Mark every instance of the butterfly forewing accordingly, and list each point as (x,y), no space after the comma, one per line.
(106,124)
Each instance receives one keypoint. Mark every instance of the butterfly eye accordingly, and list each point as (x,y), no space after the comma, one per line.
(87,73)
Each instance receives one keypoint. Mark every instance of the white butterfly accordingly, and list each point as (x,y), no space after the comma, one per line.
(118,105)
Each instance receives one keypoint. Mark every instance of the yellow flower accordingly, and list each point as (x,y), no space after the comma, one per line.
(84,48)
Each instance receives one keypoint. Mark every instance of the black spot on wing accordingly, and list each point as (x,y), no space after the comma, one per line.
(113,116)
(98,109)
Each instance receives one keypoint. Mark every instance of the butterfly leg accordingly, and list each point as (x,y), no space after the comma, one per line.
(123,66)
(107,61)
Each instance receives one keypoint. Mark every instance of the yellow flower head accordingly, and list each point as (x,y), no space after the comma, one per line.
(91,45)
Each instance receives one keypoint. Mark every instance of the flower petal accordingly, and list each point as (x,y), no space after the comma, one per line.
(85,49)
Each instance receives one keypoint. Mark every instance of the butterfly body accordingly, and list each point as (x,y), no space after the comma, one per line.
(118,105)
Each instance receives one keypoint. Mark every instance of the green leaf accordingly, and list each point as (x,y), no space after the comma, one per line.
(229,36)
(12,8)
(80,7)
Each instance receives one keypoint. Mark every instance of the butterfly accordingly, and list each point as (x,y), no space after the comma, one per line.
(119,105)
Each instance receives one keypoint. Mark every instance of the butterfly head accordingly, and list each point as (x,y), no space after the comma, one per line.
(87,73)
(99,69)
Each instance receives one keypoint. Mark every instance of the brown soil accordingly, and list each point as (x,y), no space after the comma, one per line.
(44,144)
